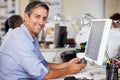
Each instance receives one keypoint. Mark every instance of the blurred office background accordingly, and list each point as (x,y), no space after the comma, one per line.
(74,9)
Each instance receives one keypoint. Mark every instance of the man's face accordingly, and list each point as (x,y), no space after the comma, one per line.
(36,21)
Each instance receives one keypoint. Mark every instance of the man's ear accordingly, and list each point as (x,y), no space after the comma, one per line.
(26,16)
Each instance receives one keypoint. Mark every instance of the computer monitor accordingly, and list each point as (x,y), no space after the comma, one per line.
(60,36)
(95,50)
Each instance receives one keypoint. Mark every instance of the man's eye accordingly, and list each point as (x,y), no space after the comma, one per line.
(45,19)
(37,16)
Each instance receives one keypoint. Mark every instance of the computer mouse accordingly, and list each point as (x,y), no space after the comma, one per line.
(83,61)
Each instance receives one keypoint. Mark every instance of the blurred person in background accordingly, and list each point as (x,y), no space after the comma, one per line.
(11,23)
(113,45)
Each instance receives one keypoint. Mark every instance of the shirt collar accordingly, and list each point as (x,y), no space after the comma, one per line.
(26,31)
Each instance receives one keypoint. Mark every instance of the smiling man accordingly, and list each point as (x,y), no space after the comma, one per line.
(20,56)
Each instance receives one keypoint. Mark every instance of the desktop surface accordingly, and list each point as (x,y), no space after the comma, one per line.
(56,49)
(90,72)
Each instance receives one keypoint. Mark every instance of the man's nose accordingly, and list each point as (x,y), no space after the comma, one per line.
(41,21)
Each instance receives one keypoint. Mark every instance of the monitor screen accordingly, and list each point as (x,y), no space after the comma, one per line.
(97,41)
(60,36)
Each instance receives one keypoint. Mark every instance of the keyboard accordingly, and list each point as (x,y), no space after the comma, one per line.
(73,78)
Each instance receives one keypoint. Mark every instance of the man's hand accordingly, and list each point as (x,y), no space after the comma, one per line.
(74,67)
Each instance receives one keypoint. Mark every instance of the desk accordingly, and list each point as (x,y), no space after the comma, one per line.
(53,55)
(56,49)
(91,71)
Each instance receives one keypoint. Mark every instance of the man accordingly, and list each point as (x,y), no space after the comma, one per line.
(20,57)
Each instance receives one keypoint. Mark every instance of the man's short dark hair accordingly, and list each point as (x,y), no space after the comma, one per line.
(35,4)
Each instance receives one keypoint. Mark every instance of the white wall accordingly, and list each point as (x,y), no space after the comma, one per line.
(111,7)
(22,5)
(78,7)
(119,6)
(97,8)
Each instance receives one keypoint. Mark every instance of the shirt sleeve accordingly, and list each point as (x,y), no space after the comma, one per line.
(29,60)
(41,76)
